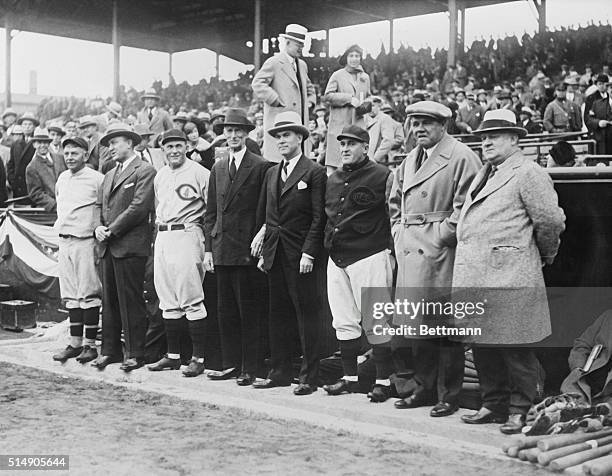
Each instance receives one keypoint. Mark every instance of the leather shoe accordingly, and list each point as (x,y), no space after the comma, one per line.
(269,383)
(101,362)
(165,363)
(87,355)
(245,379)
(379,393)
(304,389)
(68,353)
(515,424)
(413,401)
(443,409)
(224,374)
(340,387)
(132,364)
(194,369)
(482,416)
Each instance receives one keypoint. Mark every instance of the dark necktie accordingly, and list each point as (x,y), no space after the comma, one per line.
(232,169)
(490,171)
(142,156)
(297,74)
(284,172)
(150,114)
(421,158)
(117,173)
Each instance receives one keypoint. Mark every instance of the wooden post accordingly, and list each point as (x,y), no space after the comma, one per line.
(169,67)
(7,61)
(217,54)
(452,37)
(462,45)
(257,36)
(116,48)
(391,50)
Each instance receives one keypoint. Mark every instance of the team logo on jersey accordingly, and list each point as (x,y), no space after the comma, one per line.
(363,197)
(187,192)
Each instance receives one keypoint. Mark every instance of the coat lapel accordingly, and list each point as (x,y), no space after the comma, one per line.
(432,165)
(242,174)
(288,69)
(296,174)
(125,174)
(499,179)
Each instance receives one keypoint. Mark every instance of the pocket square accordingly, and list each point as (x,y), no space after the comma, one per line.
(129,185)
(302,185)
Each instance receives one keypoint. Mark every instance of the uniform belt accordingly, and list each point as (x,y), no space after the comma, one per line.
(421,218)
(171,227)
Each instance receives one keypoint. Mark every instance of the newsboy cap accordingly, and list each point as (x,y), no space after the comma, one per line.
(354,132)
(172,134)
(76,141)
(430,109)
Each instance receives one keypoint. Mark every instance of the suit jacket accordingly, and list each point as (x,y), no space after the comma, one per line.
(21,155)
(600,332)
(471,118)
(126,209)
(601,110)
(382,137)
(41,177)
(160,121)
(295,214)
(97,153)
(504,233)
(276,84)
(230,222)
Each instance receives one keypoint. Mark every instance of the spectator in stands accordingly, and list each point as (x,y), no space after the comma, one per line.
(470,116)
(42,172)
(179,120)
(9,116)
(561,115)
(197,146)
(599,122)
(599,92)
(527,122)
(257,134)
(562,154)
(111,114)
(56,133)
(152,114)
(20,156)
(71,129)
(381,128)
(573,93)
(152,155)
(399,137)
(28,122)
(97,154)
(346,91)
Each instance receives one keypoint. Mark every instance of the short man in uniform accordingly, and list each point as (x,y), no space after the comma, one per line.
(428,192)
(230,225)
(181,188)
(562,115)
(126,202)
(293,203)
(76,193)
(358,237)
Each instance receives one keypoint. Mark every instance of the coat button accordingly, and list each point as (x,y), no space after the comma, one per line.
(346,184)
(342,199)
(424,193)
(335,229)
(407,252)
(420,251)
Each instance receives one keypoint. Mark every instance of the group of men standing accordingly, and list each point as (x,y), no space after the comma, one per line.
(268,224)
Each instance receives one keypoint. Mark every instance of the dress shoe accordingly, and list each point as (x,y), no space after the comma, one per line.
(87,355)
(165,363)
(379,393)
(132,364)
(224,374)
(194,369)
(443,409)
(101,362)
(68,353)
(482,416)
(245,379)
(515,424)
(340,387)
(304,389)
(413,401)
(269,383)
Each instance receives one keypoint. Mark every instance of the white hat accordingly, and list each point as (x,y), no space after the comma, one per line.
(295,32)
(500,120)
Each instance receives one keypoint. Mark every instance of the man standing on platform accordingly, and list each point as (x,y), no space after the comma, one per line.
(76,192)
(230,225)
(282,84)
(428,192)
(126,203)
(152,114)
(181,188)
(293,203)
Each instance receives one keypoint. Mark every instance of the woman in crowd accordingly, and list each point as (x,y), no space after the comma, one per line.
(346,91)
(196,146)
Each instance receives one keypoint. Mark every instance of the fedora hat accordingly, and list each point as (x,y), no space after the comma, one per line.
(295,32)
(180,117)
(119,129)
(28,116)
(150,94)
(350,49)
(41,135)
(288,121)
(234,117)
(16,129)
(500,120)
(86,121)
(114,108)
(57,128)
(142,130)
(9,111)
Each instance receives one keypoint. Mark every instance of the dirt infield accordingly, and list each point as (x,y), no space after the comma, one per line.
(108,429)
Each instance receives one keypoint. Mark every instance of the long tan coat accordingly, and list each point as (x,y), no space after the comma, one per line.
(424,208)
(504,234)
(276,85)
(341,88)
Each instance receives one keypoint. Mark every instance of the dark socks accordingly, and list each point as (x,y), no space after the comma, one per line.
(197,330)
(382,359)
(91,318)
(173,335)
(349,350)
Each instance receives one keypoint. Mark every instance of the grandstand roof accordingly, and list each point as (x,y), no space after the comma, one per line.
(223,26)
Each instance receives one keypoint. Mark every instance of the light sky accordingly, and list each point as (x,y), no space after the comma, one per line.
(72,67)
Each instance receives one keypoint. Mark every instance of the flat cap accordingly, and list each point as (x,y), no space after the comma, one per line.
(430,109)
(77,141)
(172,134)
(354,132)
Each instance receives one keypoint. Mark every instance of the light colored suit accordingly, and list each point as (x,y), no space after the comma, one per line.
(160,121)
(276,84)
(504,233)
(382,130)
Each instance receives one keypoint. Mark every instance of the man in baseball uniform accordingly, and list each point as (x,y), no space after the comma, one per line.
(76,192)
(181,188)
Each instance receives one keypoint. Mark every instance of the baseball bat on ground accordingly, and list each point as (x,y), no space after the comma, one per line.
(598,467)
(545,457)
(571,439)
(572,460)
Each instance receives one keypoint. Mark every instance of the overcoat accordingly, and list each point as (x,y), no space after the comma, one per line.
(277,86)
(41,177)
(341,88)
(503,236)
(601,110)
